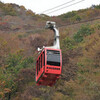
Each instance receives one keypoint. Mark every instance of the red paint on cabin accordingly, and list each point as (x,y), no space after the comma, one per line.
(48,66)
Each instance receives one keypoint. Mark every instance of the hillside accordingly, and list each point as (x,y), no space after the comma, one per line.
(22,31)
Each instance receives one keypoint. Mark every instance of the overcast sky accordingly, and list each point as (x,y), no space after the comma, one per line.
(38,6)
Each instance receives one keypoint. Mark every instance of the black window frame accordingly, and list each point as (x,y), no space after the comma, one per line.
(41,60)
(39,63)
(37,67)
(56,53)
(44,58)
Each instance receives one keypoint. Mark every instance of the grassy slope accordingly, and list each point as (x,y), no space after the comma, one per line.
(19,41)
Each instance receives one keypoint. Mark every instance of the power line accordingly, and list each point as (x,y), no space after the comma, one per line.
(65,6)
(42,28)
(58,6)
(59,26)
(79,22)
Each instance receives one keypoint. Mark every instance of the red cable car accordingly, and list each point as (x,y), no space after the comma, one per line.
(49,61)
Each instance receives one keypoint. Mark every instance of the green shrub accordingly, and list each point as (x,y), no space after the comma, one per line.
(98,27)
(16,62)
(13,60)
(29,12)
(79,64)
(68,43)
(1,4)
(81,79)
(69,14)
(20,36)
(84,31)
(97,7)
(9,10)
(77,18)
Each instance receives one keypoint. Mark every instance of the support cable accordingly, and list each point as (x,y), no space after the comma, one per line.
(58,6)
(66,6)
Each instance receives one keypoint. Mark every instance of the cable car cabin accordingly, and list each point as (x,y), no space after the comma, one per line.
(48,66)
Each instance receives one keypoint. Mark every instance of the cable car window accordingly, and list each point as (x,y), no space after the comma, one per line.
(41,60)
(37,67)
(53,57)
(39,64)
(44,58)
